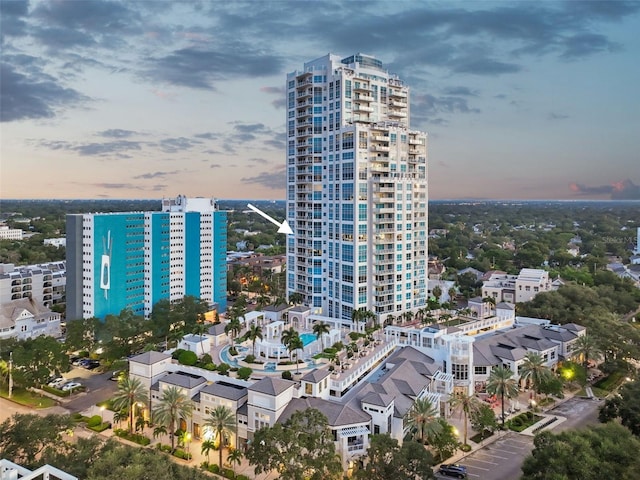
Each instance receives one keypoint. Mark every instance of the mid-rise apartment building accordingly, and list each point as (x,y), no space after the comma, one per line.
(517,288)
(356,189)
(44,283)
(134,259)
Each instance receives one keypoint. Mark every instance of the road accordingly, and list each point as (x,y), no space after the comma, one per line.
(502,459)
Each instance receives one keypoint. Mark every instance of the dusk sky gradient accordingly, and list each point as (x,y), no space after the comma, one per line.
(145,99)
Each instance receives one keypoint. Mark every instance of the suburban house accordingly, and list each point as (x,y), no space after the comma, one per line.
(28,318)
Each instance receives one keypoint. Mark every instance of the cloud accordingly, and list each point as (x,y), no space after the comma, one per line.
(275,179)
(86,23)
(258,160)
(150,175)
(622,190)
(429,108)
(178,144)
(116,133)
(557,116)
(201,68)
(32,94)
(215,165)
(279,102)
(12,18)
(208,136)
(460,91)
(116,148)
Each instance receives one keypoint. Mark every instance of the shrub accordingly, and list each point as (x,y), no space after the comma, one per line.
(250,358)
(223,369)
(242,477)
(210,366)
(55,391)
(132,437)
(287,375)
(214,468)
(338,346)
(176,353)
(227,472)
(188,358)
(331,368)
(233,351)
(206,358)
(94,421)
(102,427)
(179,453)
(76,416)
(354,336)
(163,448)
(83,353)
(465,447)
(244,373)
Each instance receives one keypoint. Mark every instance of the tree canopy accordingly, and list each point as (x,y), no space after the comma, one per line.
(603,451)
(301,448)
(386,459)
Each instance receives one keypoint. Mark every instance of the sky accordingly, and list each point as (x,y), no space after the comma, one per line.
(151,99)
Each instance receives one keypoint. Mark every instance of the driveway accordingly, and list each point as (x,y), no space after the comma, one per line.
(503,458)
(99,388)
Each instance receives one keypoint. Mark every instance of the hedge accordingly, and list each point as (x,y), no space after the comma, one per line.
(94,421)
(101,428)
(132,437)
(179,453)
(56,391)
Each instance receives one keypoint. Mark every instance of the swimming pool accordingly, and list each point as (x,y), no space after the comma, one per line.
(307,338)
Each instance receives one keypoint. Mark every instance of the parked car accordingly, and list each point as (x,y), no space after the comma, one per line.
(91,364)
(57,382)
(67,387)
(117,375)
(453,470)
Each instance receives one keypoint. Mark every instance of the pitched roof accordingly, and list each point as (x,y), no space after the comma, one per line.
(183,379)
(225,390)
(271,386)
(379,399)
(217,329)
(407,372)
(316,375)
(338,414)
(11,310)
(149,358)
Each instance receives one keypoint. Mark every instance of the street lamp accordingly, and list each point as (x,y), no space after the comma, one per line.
(102,414)
(188,442)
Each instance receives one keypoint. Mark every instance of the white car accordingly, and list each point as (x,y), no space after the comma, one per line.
(70,386)
(57,382)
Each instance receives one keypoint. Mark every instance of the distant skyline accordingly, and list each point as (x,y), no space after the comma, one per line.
(521,100)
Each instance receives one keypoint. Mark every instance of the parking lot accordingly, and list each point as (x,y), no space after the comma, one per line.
(98,385)
(502,459)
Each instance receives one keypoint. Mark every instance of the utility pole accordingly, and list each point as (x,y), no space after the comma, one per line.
(10,374)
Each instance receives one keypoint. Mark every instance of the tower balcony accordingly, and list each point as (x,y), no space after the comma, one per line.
(379,148)
(395,113)
(396,103)
(398,94)
(362,89)
(362,108)
(364,98)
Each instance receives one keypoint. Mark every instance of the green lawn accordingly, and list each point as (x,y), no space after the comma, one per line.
(27,398)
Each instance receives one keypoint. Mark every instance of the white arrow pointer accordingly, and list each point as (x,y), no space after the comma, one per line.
(283,227)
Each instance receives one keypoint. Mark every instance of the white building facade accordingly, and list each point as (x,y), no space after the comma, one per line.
(356,190)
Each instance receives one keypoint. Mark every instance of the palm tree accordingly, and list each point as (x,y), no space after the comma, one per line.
(466,404)
(390,319)
(296,298)
(222,421)
(200,329)
(408,316)
(586,346)
(437,293)
(320,329)
(254,333)
(423,419)
(296,344)
(173,406)
(288,336)
(534,370)
(130,392)
(501,382)
(233,327)
(206,447)
(159,430)
(119,416)
(234,458)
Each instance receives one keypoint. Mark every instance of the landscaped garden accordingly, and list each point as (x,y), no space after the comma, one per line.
(523,421)
(28,398)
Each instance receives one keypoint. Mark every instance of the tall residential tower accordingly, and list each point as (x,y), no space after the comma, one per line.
(356,190)
(133,259)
